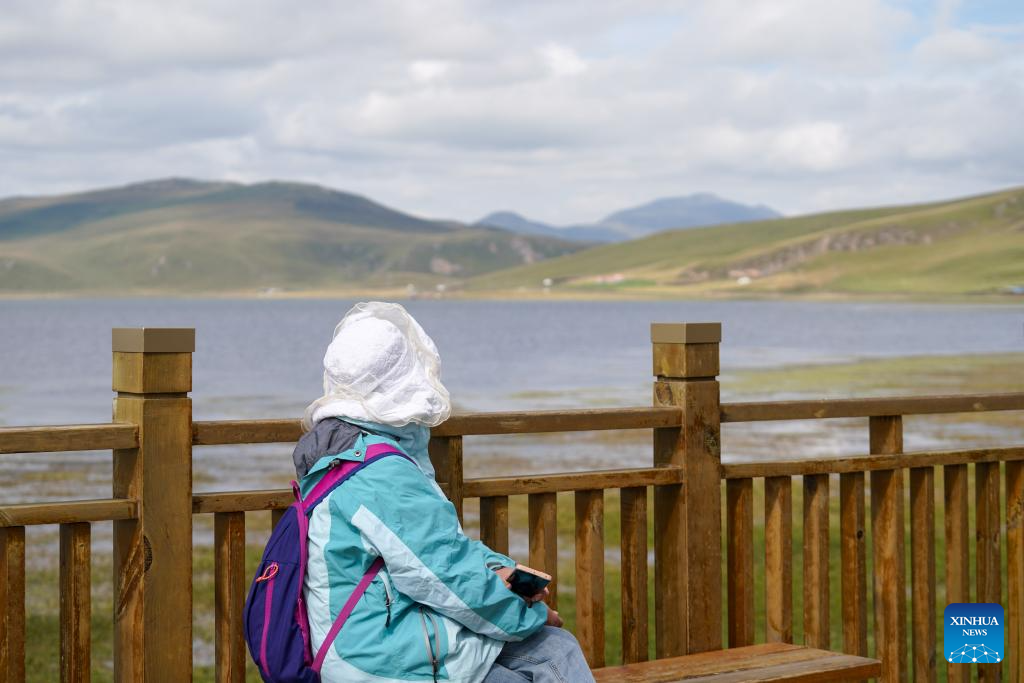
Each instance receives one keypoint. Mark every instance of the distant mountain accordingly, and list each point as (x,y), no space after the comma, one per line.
(696,210)
(193,236)
(35,217)
(509,220)
(965,247)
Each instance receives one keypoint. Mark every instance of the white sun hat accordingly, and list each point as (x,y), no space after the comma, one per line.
(381,367)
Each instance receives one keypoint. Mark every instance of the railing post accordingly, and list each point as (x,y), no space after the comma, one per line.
(887,531)
(688,517)
(152,375)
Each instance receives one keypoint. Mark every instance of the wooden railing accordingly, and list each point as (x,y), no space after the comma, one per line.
(153,505)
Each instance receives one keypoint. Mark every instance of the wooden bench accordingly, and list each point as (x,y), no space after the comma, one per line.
(768,662)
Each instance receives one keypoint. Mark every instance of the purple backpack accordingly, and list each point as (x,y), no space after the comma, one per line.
(276,624)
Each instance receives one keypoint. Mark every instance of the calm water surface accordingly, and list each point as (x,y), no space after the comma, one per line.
(261,358)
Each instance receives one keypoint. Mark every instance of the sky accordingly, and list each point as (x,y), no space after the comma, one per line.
(562,111)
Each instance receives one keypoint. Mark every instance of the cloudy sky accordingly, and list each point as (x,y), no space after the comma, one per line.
(563,111)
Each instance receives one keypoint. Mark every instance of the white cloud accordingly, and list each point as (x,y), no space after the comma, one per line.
(852,35)
(562,60)
(454,108)
(427,70)
(819,146)
(958,49)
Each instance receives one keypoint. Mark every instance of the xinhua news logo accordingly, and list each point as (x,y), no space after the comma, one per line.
(973,633)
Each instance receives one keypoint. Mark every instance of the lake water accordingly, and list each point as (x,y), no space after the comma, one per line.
(261,359)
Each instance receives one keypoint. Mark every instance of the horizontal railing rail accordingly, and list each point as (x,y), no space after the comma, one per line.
(869,463)
(59,438)
(820,409)
(461,424)
(102,510)
(223,432)
(485,487)
(88,437)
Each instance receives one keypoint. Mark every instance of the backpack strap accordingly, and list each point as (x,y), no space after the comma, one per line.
(350,605)
(337,474)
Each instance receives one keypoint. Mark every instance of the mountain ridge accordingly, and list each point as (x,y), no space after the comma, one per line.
(685,211)
(62,212)
(183,235)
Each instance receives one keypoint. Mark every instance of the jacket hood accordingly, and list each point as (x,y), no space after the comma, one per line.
(328,437)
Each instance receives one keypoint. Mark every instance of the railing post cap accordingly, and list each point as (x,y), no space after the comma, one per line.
(686,333)
(153,339)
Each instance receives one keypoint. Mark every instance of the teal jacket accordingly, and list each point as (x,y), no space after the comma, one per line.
(437,611)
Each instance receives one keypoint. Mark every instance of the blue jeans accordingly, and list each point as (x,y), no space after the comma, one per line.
(549,655)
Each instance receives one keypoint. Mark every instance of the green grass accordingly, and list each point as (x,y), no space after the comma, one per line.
(921,375)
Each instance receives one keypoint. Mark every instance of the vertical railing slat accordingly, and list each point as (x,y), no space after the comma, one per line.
(922,572)
(669,554)
(633,536)
(954,483)
(275,516)
(1015,565)
(229,595)
(494,523)
(739,494)
(778,559)
(853,524)
(446,456)
(590,575)
(75,602)
(887,529)
(12,600)
(543,512)
(988,551)
(815,556)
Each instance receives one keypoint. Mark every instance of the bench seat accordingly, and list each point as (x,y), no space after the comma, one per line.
(767,662)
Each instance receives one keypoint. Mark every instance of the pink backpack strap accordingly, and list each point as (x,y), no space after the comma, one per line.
(342,472)
(350,605)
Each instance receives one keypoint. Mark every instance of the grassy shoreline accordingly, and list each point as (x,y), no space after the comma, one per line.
(555,294)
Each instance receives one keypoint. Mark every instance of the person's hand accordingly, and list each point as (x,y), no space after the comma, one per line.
(506,572)
(553,619)
(539,596)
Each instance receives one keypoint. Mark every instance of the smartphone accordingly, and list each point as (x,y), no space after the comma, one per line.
(527,582)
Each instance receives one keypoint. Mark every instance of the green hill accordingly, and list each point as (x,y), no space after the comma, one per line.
(187,236)
(963,247)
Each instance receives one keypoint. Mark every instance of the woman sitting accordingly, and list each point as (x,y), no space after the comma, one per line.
(440,609)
